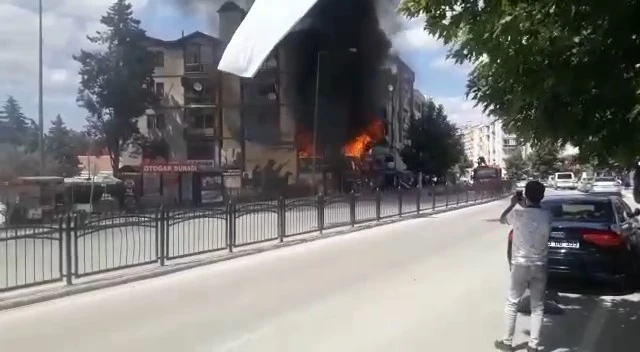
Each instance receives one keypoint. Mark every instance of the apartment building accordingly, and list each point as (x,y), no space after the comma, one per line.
(419,103)
(220,129)
(399,109)
(491,141)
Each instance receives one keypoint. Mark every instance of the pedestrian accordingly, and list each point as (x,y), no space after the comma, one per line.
(531,227)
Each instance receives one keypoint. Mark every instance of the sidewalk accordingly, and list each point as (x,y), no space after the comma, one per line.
(18,298)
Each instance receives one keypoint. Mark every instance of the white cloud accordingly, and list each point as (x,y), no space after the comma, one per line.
(441,63)
(460,110)
(413,37)
(65,25)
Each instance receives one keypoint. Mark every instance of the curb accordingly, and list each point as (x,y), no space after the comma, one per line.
(65,291)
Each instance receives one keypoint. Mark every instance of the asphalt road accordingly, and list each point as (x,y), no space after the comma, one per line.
(421,285)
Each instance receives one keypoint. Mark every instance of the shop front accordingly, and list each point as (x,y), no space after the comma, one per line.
(191,182)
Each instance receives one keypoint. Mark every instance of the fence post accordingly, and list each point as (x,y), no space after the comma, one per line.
(457,194)
(400,201)
(61,235)
(378,201)
(466,191)
(162,235)
(352,208)
(68,254)
(320,206)
(282,213)
(446,196)
(433,197)
(418,199)
(231,225)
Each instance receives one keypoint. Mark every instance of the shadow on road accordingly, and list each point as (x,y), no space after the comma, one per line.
(593,324)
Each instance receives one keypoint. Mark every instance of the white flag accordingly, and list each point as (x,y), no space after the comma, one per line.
(267,22)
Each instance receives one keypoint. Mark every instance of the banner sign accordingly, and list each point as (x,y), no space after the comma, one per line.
(160,168)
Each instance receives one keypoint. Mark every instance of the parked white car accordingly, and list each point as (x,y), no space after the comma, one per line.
(605,185)
(521,184)
(584,185)
(565,180)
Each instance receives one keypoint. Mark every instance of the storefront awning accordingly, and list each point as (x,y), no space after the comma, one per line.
(267,22)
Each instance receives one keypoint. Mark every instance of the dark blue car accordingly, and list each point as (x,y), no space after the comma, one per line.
(594,245)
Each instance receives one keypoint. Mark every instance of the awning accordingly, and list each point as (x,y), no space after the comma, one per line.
(267,22)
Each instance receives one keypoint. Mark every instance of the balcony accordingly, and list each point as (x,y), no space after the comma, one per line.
(201,124)
(201,92)
(199,69)
(199,133)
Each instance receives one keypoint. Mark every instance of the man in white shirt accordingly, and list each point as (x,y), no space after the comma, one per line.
(531,228)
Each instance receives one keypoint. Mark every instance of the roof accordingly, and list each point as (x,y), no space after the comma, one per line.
(183,39)
(586,196)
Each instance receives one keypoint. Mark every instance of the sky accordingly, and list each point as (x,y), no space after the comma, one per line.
(67,22)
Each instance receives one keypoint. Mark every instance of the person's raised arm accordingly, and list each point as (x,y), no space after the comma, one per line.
(505,213)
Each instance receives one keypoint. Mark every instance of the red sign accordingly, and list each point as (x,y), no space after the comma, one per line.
(160,168)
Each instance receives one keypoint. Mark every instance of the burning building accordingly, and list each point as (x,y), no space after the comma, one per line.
(321,93)
(334,85)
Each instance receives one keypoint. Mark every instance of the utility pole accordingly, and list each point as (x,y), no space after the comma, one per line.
(40,92)
(315,118)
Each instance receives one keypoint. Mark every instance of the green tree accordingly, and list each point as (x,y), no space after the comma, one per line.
(16,161)
(560,71)
(434,145)
(116,84)
(516,166)
(464,164)
(60,148)
(16,127)
(544,158)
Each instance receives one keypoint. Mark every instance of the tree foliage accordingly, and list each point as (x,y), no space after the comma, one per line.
(434,145)
(560,71)
(16,128)
(464,164)
(516,165)
(116,84)
(60,148)
(544,158)
(16,161)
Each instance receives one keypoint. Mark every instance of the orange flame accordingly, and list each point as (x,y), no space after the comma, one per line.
(358,145)
(304,143)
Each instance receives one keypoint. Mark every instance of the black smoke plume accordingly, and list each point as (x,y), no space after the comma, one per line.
(351,84)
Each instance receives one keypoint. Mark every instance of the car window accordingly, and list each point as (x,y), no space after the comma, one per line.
(605,179)
(621,212)
(567,176)
(580,210)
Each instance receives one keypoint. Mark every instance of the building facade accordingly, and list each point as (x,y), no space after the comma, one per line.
(492,142)
(221,132)
(419,103)
(399,109)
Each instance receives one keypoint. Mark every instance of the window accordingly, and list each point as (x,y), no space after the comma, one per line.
(564,176)
(260,92)
(201,150)
(160,121)
(202,119)
(192,54)
(580,210)
(262,123)
(158,59)
(159,88)
(155,122)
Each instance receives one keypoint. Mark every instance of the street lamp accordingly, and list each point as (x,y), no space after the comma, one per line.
(40,92)
(315,116)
